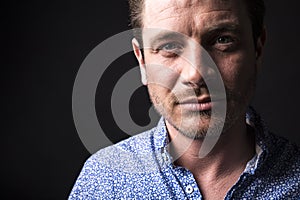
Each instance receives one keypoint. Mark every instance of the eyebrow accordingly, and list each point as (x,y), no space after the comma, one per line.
(208,32)
(232,27)
(165,35)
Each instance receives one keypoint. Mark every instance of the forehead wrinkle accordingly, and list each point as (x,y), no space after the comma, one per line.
(159,8)
(172,13)
(163,6)
(215,17)
(207,22)
(193,3)
(188,16)
(172,9)
(202,22)
(162,12)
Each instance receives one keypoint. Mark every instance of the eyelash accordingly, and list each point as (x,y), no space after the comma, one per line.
(227,45)
(175,50)
(225,37)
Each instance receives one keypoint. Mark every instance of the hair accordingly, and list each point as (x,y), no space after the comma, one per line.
(256,10)
(136,8)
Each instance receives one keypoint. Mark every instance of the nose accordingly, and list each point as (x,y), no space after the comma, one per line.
(193,70)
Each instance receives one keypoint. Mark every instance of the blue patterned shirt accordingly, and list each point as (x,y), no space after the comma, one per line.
(141,168)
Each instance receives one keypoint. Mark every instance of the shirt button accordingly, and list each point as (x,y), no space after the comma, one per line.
(189,189)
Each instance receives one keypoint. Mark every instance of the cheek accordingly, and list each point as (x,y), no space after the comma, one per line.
(160,73)
(237,70)
(162,98)
(160,80)
(157,92)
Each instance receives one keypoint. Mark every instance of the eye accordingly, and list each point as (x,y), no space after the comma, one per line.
(225,43)
(224,40)
(170,49)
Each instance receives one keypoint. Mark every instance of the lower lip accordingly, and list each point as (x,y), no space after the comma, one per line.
(197,106)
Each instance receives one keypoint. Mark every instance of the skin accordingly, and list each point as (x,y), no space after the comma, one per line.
(173,70)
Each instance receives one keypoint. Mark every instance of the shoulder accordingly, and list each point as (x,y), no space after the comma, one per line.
(282,151)
(281,167)
(126,152)
(103,168)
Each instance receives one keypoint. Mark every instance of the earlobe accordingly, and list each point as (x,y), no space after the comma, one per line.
(139,56)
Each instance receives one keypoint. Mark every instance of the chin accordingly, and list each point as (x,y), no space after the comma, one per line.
(197,126)
(193,125)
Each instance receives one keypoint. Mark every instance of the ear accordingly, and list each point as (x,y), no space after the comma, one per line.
(260,43)
(139,56)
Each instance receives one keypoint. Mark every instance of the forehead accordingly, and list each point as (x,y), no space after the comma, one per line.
(171,14)
(160,6)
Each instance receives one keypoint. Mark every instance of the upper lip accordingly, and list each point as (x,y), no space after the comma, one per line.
(204,99)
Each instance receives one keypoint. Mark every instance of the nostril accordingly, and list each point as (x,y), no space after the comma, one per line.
(196,85)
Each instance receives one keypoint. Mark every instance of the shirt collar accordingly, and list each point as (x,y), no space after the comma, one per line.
(261,138)
(160,135)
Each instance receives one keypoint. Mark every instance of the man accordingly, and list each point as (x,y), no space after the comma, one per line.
(247,161)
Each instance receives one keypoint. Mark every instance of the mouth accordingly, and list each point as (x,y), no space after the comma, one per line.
(196,104)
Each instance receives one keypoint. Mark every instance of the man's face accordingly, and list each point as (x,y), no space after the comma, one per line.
(174,66)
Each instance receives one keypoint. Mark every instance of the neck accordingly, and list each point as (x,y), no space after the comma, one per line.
(230,154)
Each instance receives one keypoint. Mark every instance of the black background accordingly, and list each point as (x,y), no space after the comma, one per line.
(45,43)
